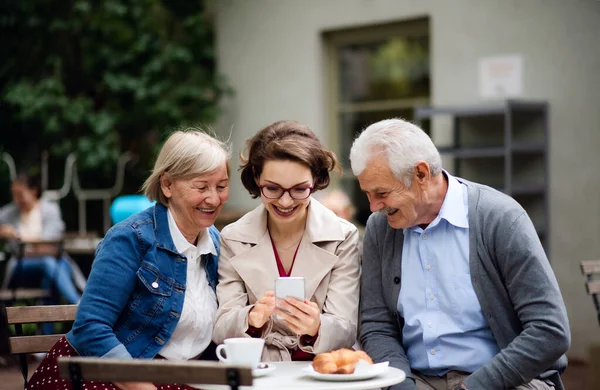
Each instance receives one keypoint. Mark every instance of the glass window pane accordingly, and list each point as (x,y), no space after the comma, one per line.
(394,68)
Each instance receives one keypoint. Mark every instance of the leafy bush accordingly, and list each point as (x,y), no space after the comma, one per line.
(102,77)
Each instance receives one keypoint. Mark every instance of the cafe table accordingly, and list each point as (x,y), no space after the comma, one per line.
(291,375)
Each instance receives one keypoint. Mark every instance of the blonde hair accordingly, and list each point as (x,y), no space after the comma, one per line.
(185,154)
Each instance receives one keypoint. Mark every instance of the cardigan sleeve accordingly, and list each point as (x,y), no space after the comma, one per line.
(533,290)
(380,332)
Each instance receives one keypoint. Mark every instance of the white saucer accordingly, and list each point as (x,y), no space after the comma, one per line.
(258,372)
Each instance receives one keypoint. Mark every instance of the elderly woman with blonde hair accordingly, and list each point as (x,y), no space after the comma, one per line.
(151,292)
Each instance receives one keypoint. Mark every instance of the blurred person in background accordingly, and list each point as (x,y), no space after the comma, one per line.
(339,202)
(151,290)
(31,219)
(289,234)
(457,290)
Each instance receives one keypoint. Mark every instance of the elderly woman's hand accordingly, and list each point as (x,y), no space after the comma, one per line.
(302,317)
(135,385)
(262,310)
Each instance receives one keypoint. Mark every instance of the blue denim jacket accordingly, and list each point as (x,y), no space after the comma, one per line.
(134,295)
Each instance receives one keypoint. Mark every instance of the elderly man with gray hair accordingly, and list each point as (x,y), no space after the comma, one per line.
(456,288)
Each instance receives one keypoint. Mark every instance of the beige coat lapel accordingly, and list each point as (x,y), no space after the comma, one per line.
(257,266)
(313,260)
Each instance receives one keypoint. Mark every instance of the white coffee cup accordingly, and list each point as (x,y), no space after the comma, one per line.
(244,351)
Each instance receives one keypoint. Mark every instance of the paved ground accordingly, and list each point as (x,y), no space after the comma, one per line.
(11,379)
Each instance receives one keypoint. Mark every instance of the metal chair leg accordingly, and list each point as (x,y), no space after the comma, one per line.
(75,376)
(22,357)
(233,378)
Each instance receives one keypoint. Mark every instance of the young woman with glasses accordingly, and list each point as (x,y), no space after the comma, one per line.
(289,234)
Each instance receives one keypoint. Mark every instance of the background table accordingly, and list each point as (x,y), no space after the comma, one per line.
(290,375)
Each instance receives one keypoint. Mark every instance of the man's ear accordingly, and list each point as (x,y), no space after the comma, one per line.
(421,172)
(165,185)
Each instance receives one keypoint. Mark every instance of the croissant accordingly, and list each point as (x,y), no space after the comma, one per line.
(341,361)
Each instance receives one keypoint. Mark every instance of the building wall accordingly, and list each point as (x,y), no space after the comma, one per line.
(273,55)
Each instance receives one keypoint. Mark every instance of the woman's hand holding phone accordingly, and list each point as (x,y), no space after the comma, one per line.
(302,317)
(262,310)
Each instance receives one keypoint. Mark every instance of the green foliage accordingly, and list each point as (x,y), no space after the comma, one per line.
(102,77)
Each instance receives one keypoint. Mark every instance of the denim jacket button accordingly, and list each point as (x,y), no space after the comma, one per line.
(154,285)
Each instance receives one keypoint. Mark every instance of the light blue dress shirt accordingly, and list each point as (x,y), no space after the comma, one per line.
(444,327)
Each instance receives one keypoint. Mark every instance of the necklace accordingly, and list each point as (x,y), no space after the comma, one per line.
(289,247)
(282,248)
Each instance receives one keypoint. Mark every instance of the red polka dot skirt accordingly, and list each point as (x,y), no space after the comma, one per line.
(46,377)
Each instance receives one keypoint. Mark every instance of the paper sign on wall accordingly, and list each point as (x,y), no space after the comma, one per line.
(501,76)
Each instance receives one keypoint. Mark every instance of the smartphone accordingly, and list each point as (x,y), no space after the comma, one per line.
(291,286)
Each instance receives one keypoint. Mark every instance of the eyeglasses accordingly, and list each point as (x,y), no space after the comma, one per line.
(275,192)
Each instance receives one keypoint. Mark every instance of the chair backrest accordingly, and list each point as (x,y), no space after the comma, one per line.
(591,270)
(80,369)
(22,345)
(16,294)
(19,315)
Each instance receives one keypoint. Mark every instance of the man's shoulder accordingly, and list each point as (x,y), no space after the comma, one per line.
(489,204)
(488,197)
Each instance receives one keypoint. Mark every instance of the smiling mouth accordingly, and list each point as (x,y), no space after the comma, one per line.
(206,211)
(284,212)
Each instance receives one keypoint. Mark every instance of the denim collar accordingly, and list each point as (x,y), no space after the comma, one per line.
(161,229)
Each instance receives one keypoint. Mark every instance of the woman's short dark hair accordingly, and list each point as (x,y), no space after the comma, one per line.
(286,140)
(33,182)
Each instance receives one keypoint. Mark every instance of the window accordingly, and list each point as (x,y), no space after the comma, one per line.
(374,73)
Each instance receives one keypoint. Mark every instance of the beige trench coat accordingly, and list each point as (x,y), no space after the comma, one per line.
(327,258)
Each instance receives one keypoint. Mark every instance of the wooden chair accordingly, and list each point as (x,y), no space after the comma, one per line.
(591,270)
(80,369)
(22,345)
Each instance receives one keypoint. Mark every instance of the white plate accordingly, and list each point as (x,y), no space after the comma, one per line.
(258,372)
(376,369)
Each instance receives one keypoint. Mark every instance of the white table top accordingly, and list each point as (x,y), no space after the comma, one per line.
(289,375)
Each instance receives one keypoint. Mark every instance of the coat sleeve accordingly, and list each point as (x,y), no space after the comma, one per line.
(232,315)
(340,310)
(380,332)
(537,300)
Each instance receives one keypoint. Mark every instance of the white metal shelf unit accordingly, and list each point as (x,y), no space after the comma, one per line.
(503,145)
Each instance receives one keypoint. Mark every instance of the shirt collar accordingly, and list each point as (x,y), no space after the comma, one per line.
(203,246)
(454,208)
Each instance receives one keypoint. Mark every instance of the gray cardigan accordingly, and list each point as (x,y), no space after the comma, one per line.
(512,279)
